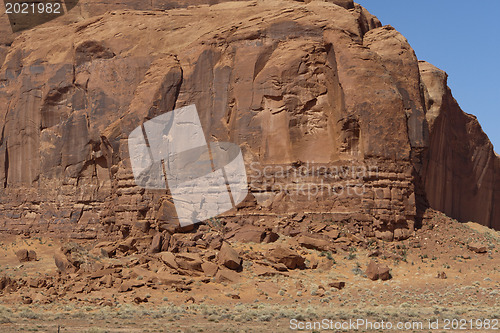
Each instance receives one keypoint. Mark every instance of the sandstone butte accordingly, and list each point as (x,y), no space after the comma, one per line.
(289,82)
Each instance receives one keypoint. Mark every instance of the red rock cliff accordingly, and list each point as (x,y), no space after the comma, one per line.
(291,83)
(462,172)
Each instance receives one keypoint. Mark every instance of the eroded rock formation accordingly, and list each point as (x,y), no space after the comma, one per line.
(305,89)
(462,172)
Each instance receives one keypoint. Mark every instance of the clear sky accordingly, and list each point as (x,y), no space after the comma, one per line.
(462,38)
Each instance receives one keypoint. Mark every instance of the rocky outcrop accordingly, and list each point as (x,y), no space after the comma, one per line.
(328,107)
(462,172)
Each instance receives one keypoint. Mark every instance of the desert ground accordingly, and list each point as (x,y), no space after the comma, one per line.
(437,274)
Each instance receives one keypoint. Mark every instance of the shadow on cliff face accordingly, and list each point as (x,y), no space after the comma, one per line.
(421,202)
(461,171)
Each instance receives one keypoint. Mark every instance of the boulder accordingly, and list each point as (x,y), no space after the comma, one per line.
(228,257)
(168,279)
(156,243)
(372,271)
(25,255)
(22,255)
(6,283)
(102,273)
(477,247)
(314,243)
(248,234)
(107,280)
(105,249)
(32,255)
(127,245)
(142,226)
(288,257)
(168,259)
(139,300)
(35,283)
(209,268)
(215,242)
(63,264)
(189,261)
(226,275)
(375,253)
(265,270)
(27,300)
(270,237)
(128,285)
(384,272)
(376,271)
(337,284)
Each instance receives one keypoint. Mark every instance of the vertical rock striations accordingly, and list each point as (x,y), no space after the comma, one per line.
(462,172)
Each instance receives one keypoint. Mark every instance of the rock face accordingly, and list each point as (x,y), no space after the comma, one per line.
(462,172)
(77,10)
(317,94)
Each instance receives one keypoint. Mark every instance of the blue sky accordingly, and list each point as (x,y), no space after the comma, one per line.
(460,37)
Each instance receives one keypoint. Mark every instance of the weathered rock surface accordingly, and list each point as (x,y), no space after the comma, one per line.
(337,284)
(462,172)
(63,264)
(376,271)
(288,257)
(296,85)
(84,9)
(315,243)
(25,255)
(229,257)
